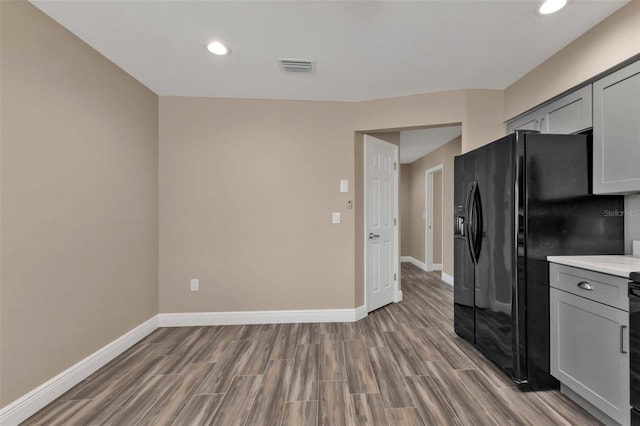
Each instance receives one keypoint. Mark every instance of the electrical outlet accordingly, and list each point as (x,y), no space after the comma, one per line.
(335,217)
(195,284)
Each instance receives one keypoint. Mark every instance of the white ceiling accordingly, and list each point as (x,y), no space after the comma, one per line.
(419,142)
(363,49)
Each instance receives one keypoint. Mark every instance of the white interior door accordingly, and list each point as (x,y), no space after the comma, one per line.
(381,207)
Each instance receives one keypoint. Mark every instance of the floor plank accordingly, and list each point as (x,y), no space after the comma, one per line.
(360,377)
(400,345)
(465,404)
(237,402)
(389,378)
(332,365)
(168,406)
(368,409)
(134,408)
(59,413)
(432,401)
(300,413)
(404,416)
(478,384)
(333,404)
(232,360)
(199,410)
(567,409)
(304,382)
(268,408)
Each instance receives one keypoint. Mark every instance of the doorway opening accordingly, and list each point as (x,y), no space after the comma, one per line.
(412,195)
(434,211)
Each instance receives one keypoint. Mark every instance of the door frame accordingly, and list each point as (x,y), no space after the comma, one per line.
(397,293)
(428,208)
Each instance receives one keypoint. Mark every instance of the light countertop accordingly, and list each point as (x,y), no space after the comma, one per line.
(620,266)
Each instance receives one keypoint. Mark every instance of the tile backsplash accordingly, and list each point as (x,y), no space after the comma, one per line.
(631,220)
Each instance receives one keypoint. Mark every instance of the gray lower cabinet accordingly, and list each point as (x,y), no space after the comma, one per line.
(616,132)
(567,115)
(590,343)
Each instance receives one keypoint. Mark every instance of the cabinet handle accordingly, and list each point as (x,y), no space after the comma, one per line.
(622,350)
(585,285)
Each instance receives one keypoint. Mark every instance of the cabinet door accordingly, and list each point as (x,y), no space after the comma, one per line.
(616,132)
(589,352)
(531,121)
(569,114)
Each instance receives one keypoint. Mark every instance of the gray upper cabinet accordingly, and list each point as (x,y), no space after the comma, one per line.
(531,121)
(616,132)
(567,115)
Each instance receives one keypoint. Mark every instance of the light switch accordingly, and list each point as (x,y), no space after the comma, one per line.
(344,185)
(335,217)
(195,284)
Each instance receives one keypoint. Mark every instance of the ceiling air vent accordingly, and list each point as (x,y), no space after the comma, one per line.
(296,65)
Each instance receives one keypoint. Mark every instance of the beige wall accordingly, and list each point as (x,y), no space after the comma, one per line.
(415,238)
(247,188)
(358,206)
(437,217)
(405,208)
(479,111)
(612,41)
(482,120)
(79,200)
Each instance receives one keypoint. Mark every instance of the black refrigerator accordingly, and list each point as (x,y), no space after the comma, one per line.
(518,200)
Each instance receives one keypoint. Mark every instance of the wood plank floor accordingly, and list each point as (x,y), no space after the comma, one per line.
(401,365)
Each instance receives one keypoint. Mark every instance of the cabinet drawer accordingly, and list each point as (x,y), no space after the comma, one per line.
(602,288)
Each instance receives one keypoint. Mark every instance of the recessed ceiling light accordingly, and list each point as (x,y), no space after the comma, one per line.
(551,6)
(218,48)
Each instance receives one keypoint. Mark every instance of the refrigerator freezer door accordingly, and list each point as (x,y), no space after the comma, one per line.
(463,290)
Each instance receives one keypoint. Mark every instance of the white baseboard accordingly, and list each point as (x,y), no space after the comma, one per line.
(447,278)
(29,404)
(414,261)
(361,312)
(261,317)
(437,267)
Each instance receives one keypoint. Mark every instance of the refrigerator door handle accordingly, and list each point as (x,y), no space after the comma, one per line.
(478,223)
(472,222)
(468,219)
